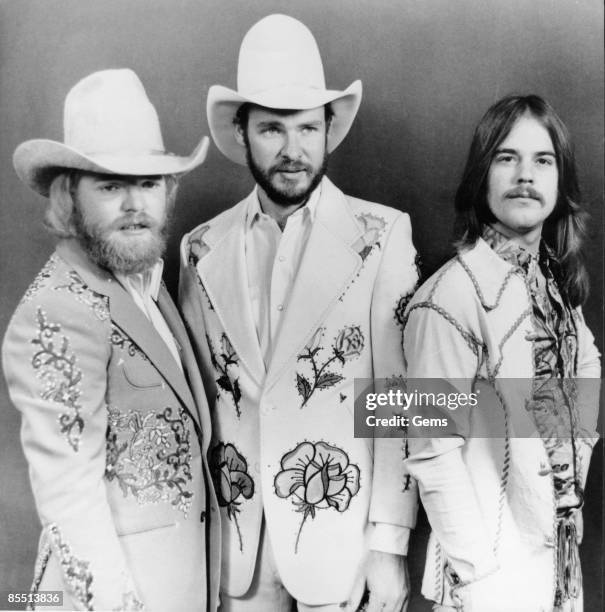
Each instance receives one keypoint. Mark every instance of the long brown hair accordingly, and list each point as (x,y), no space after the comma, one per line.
(565,229)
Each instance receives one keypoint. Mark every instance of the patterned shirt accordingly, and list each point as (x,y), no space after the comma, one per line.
(555,350)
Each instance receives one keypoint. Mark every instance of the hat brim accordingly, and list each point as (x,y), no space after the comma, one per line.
(37,162)
(223,103)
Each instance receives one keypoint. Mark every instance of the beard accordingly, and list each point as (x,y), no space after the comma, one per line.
(110,249)
(286,196)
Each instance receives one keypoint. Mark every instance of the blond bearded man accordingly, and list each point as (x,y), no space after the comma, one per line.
(290,295)
(115,423)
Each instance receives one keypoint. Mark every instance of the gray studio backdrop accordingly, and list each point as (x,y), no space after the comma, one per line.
(429,68)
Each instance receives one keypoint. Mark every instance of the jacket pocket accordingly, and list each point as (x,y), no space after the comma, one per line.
(143,376)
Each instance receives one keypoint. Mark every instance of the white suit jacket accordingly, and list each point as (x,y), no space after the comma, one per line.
(488,489)
(283,441)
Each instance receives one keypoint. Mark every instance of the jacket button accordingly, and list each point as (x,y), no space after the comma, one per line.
(203,516)
(549,541)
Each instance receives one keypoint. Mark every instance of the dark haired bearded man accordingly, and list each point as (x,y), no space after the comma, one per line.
(504,493)
(290,295)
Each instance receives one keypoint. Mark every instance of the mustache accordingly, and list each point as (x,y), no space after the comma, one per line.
(290,166)
(524,192)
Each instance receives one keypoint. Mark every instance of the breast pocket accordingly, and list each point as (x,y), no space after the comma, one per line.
(142,376)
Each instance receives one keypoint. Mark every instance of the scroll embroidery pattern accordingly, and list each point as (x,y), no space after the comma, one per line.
(96,302)
(348,344)
(40,279)
(121,340)
(149,456)
(76,573)
(224,363)
(316,476)
(55,365)
(231,481)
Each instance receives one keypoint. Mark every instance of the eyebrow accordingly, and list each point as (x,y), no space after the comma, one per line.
(515,151)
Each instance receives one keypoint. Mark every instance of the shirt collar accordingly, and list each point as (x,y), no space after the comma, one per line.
(144,283)
(255,211)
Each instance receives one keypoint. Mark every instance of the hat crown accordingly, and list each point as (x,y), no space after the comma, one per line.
(108,113)
(279,52)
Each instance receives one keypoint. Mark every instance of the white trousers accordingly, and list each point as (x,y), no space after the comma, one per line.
(268,594)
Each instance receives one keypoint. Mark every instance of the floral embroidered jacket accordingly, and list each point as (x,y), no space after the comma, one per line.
(283,441)
(115,438)
(488,487)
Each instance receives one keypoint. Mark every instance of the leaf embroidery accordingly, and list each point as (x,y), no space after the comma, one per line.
(41,278)
(348,344)
(56,366)
(76,573)
(222,363)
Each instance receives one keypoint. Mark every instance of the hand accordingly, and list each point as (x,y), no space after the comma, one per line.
(387,581)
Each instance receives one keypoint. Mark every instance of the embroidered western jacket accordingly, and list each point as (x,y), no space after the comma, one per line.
(488,488)
(283,441)
(115,436)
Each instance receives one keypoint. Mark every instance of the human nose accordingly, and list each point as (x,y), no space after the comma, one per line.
(292,148)
(134,199)
(525,171)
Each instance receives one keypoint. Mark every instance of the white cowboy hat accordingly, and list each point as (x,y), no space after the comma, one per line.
(109,126)
(279,67)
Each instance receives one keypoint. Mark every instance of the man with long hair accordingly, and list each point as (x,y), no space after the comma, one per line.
(115,424)
(504,490)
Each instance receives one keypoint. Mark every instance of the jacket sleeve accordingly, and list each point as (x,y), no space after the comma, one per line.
(588,391)
(55,361)
(436,347)
(394,501)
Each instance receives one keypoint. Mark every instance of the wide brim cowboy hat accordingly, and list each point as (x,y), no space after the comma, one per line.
(279,67)
(110,127)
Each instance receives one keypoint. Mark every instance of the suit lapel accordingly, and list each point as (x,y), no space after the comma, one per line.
(224,276)
(328,265)
(175,323)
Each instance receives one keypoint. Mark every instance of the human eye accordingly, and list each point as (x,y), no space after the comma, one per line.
(309,129)
(151,183)
(545,160)
(270,130)
(108,187)
(504,158)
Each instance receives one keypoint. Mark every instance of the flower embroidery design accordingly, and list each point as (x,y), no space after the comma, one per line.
(149,456)
(76,574)
(56,367)
(348,345)
(99,304)
(222,363)
(40,279)
(317,477)
(231,481)
(373,228)
(196,248)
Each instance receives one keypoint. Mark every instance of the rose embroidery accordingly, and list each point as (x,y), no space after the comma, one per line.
(373,227)
(317,476)
(222,363)
(349,344)
(231,481)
